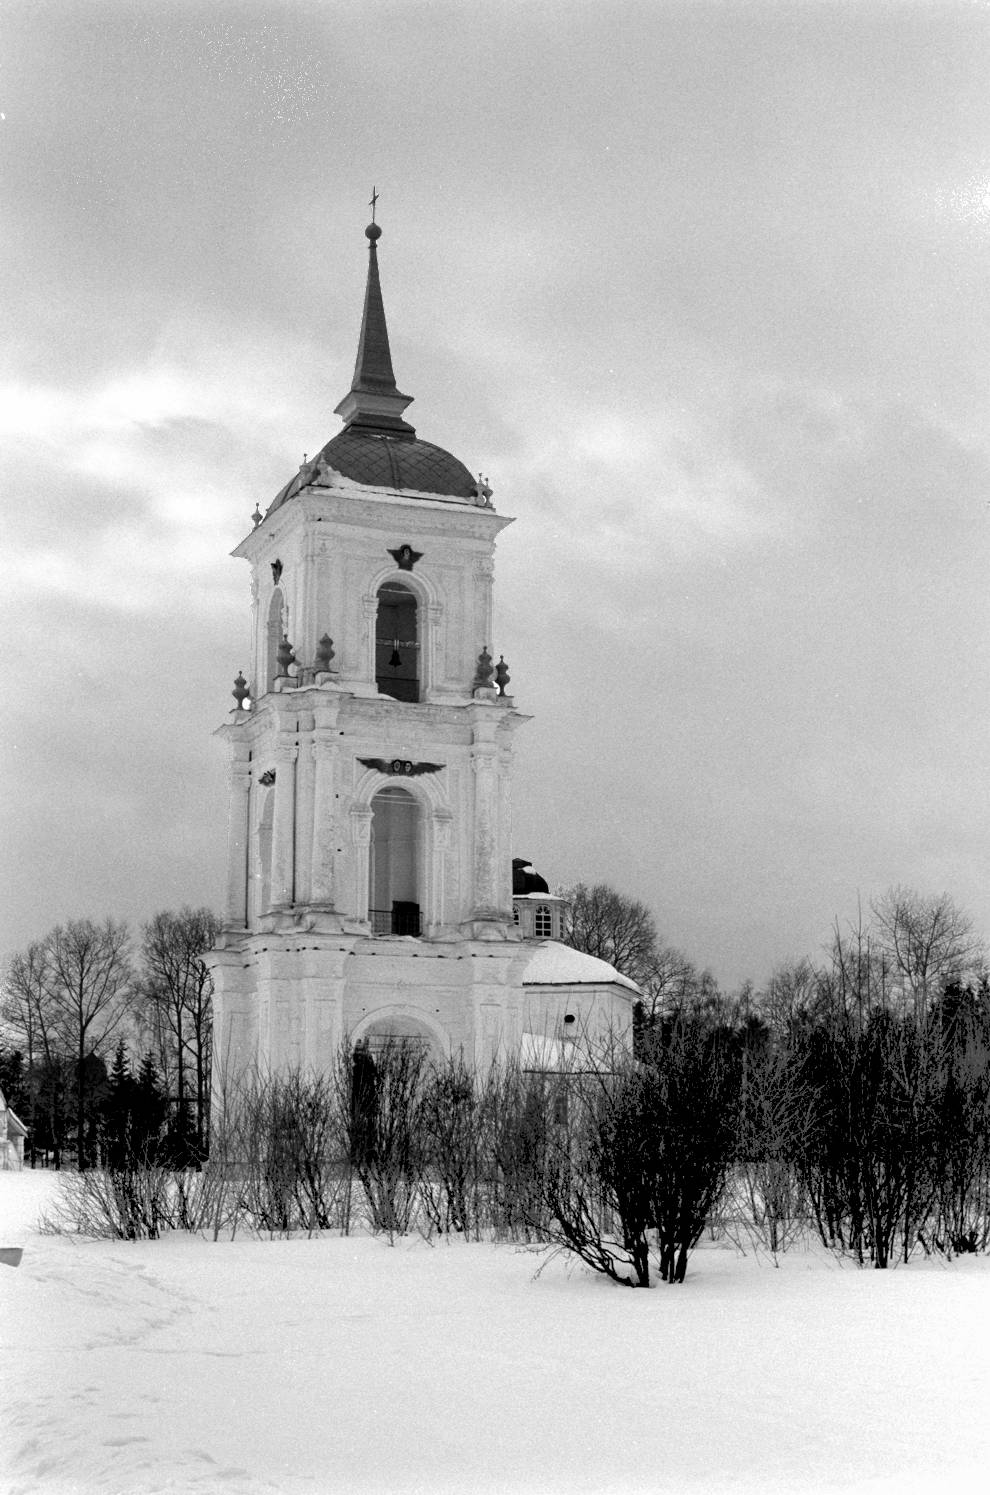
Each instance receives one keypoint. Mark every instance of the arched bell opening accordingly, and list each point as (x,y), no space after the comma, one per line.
(397,644)
(394,902)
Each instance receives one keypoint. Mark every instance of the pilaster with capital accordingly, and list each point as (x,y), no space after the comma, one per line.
(256,663)
(360,817)
(484,764)
(284,822)
(430,636)
(305,798)
(235,901)
(365,652)
(324,754)
(484,568)
(442,825)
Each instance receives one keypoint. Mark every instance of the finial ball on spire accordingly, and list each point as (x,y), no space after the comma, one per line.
(373,232)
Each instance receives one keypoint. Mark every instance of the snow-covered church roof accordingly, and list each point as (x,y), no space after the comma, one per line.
(552,964)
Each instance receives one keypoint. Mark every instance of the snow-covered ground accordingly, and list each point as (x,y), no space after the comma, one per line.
(329,1364)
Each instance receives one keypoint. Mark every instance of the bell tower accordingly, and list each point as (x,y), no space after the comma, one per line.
(369,878)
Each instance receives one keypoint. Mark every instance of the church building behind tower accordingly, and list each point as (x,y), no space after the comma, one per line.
(370,862)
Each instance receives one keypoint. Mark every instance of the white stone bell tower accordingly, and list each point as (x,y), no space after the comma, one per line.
(369,886)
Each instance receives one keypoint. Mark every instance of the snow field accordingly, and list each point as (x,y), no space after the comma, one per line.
(349,1365)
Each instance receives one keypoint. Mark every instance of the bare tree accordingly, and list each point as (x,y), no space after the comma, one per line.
(90,980)
(27,1014)
(789,996)
(669,981)
(614,928)
(178,992)
(68,993)
(926,941)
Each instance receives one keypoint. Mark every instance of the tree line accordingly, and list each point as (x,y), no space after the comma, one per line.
(102,1035)
(850,1097)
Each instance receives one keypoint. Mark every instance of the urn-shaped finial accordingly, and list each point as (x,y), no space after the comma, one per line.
(285,656)
(484,669)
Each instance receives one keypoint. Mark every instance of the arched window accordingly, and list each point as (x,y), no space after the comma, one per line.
(543,923)
(393,883)
(397,643)
(273,636)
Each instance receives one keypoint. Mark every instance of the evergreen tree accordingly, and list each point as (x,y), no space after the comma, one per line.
(150,1111)
(13,1080)
(118,1110)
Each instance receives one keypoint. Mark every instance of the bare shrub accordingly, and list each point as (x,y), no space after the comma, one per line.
(454,1123)
(772,1124)
(384,1131)
(520,1114)
(285,1139)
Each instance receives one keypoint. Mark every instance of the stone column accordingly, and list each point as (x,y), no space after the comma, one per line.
(284,822)
(366,646)
(486,838)
(235,902)
(305,798)
(439,912)
(432,659)
(324,815)
(361,817)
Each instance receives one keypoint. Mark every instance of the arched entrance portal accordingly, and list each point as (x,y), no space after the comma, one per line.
(393,884)
(397,643)
(398,1031)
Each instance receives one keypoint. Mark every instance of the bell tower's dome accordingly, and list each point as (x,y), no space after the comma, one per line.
(377,447)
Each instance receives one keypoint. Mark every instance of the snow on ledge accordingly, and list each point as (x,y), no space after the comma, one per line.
(552,964)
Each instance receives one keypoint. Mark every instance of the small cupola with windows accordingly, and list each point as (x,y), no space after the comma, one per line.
(537,913)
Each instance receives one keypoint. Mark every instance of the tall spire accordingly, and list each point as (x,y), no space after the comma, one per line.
(373,401)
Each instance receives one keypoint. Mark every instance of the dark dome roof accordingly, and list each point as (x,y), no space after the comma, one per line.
(386,461)
(382,459)
(524,879)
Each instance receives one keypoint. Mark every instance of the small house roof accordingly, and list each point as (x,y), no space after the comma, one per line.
(552,964)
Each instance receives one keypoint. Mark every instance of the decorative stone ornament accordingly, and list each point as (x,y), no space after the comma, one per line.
(324,654)
(405,557)
(485,670)
(285,656)
(502,676)
(257,516)
(401,767)
(240,692)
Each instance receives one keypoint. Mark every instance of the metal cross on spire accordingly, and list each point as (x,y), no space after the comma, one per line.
(374,200)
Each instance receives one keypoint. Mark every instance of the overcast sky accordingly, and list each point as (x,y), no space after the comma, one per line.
(702,289)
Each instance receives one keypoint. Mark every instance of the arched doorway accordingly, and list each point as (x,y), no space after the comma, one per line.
(394,865)
(398,1031)
(397,647)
